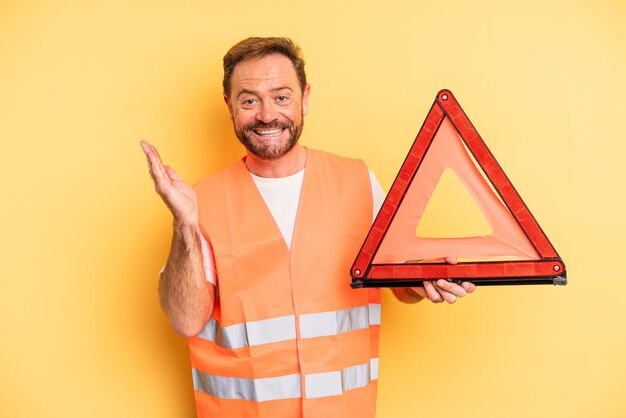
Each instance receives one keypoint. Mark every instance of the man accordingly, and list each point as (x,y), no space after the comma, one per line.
(257,275)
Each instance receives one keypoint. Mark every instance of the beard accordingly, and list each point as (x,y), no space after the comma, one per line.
(267,151)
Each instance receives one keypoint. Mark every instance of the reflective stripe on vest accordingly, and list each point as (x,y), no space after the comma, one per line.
(283,328)
(335,383)
(337,322)
(286,387)
(258,390)
(250,333)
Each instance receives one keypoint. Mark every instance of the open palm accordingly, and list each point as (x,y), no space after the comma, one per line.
(179,197)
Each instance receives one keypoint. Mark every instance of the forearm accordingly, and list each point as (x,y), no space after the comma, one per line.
(185,295)
(406,294)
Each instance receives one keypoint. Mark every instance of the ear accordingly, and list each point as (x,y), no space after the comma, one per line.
(230,109)
(305,99)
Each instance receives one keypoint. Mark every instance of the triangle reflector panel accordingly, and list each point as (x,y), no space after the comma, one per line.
(516,251)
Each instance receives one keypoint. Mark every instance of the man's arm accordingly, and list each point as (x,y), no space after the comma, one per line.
(185,294)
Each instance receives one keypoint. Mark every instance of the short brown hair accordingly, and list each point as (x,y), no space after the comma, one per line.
(260,47)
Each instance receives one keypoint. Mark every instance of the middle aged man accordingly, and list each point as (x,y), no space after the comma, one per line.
(281,334)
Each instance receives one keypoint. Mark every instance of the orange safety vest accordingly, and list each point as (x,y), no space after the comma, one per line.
(288,336)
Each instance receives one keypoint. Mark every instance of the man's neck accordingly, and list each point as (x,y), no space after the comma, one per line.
(288,164)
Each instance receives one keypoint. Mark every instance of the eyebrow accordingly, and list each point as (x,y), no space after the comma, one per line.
(255,93)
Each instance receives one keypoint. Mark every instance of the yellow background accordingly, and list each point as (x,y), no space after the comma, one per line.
(84,234)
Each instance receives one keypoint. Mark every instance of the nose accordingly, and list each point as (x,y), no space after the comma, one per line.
(267,112)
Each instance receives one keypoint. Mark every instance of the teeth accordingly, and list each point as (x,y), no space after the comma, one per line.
(271,132)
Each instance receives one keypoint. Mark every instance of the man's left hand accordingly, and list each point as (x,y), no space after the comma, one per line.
(438,291)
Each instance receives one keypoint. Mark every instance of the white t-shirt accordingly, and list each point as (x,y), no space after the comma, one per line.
(281,195)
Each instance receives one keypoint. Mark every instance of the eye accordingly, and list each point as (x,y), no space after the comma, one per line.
(248,102)
(281,99)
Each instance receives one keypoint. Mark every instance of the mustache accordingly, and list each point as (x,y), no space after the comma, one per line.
(272,125)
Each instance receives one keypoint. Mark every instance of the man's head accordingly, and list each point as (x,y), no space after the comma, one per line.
(267,95)
(252,48)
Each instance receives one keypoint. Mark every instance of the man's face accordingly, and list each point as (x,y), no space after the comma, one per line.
(267,105)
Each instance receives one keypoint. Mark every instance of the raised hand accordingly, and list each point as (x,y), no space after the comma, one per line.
(179,197)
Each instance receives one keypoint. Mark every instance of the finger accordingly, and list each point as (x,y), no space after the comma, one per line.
(149,151)
(146,150)
(431,292)
(451,260)
(151,163)
(145,146)
(445,295)
(160,175)
(172,173)
(453,288)
(157,154)
(155,170)
(468,286)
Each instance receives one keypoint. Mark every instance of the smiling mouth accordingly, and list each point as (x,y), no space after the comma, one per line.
(268,133)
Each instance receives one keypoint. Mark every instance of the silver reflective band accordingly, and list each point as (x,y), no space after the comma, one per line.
(235,337)
(335,383)
(271,330)
(246,334)
(258,390)
(323,384)
(286,387)
(355,376)
(374,368)
(374,311)
(324,324)
(283,328)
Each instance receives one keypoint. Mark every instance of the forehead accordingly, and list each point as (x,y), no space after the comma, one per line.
(269,72)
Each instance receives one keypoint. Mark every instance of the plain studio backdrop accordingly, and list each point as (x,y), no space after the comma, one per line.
(84,234)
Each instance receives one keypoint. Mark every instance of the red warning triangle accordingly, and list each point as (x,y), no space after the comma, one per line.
(516,252)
